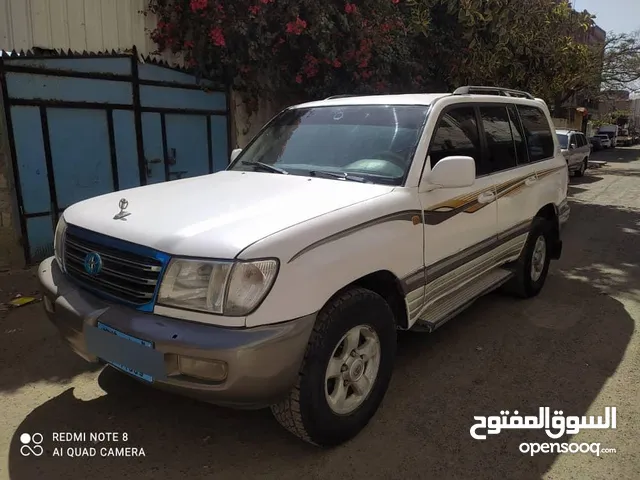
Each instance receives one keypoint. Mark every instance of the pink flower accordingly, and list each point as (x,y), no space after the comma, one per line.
(198,5)
(298,78)
(350,8)
(395,1)
(336,63)
(217,37)
(254,9)
(296,27)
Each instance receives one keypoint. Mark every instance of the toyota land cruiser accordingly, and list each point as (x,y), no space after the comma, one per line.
(283,280)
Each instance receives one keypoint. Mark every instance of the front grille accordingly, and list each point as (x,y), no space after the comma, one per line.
(124,276)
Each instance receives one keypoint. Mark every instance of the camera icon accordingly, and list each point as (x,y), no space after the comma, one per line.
(31,444)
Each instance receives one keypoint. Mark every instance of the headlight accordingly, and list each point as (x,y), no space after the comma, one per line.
(224,288)
(58,241)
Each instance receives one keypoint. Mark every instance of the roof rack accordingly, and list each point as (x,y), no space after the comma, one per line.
(505,92)
(347,95)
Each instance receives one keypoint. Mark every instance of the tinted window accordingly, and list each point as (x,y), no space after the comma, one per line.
(576,140)
(497,131)
(563,140)
(583,139)
(518,135)
(537,132)
(573,140)
(457,134)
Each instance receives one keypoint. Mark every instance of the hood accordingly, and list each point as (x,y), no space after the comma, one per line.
(217,215)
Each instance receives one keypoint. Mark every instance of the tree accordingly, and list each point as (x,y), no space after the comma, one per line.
(284,47)
(621,62)
(533,45)
(315,49)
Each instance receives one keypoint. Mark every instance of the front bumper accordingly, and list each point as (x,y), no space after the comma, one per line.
(262,363)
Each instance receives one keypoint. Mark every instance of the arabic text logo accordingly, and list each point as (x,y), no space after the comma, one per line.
(555,427)
(92,263)
(31,444)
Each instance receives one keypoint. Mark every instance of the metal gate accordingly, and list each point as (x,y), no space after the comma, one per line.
(82,125)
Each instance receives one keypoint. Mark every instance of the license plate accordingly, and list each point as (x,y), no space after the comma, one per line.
(143,343)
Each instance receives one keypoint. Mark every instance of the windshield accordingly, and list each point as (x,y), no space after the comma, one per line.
(371,143)
(563,139)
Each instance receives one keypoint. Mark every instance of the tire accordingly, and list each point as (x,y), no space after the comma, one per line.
(307,412)
(524,284)
(583,168)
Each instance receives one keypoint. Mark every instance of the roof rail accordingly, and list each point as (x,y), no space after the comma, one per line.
(505,92)
(347,95)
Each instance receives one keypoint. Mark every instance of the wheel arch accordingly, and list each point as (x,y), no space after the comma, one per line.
(389,287)
(550,213)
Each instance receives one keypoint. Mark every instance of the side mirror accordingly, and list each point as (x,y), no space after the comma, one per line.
(450,172)
(572,146)
(234,153)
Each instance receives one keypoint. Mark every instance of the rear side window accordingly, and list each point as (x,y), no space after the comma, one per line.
(537,132)
(498,132)
(456,134)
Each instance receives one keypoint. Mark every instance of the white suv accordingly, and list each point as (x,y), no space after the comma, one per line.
(576,150)
(282,281)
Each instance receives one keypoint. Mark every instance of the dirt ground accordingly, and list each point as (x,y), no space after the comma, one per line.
(576,348)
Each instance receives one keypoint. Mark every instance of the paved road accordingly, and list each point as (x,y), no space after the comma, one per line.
(575,347)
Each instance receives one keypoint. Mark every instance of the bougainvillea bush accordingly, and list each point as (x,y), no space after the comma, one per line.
(318,48)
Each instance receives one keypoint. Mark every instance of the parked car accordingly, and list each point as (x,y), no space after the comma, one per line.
(283,280)
(576,150)
(605,141)
(596,145)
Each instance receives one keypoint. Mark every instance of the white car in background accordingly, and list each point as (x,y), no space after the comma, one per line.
(576,149)
(605,141)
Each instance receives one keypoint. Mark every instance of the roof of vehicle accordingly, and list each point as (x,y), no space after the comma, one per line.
(565,131)
(407,99)
(402,99)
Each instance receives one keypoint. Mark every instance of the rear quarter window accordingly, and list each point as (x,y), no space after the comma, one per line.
(537,132)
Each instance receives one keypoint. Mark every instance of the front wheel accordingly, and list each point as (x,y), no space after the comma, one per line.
(345,372)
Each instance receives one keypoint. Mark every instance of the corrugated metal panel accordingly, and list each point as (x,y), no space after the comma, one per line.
(92,25)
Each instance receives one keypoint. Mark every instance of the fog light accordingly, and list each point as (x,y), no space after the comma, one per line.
(203,369)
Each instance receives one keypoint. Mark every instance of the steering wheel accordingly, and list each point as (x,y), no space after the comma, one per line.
(393,157)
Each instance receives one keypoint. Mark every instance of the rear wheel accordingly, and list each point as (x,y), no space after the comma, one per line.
(345,372)
(583,168)
(532,267)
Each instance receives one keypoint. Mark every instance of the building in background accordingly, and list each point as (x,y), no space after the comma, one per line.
(579,109)
(635,111)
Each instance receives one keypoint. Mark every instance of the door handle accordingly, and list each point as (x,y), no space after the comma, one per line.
(148,163)
(530,181)
(486,197)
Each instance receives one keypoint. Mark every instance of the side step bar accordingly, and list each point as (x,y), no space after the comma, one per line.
(448,307)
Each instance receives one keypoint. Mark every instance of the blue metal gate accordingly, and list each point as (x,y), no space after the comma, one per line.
(85,125)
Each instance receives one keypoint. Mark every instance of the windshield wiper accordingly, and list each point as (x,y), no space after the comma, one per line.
(265,166)
(341,176)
